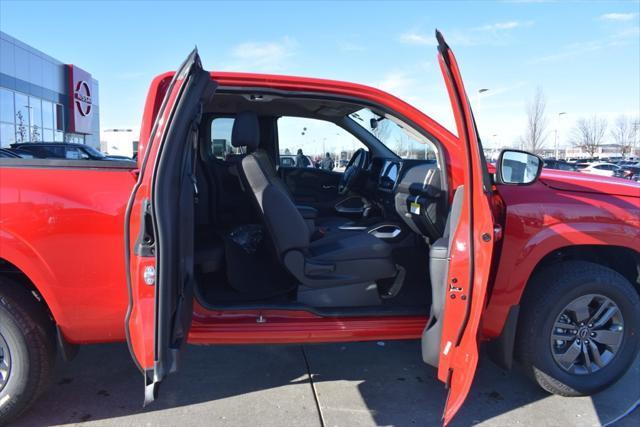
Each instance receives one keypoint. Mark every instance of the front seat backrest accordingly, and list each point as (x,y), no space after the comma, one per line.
(284,223)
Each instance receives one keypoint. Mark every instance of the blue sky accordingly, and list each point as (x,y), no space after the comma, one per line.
(584,55)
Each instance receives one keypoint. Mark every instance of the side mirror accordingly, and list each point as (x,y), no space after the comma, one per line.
(517,167)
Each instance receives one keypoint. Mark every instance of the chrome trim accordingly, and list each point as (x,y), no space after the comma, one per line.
(352,227)
(386,235)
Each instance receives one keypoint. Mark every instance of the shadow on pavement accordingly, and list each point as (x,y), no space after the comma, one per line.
(356,384)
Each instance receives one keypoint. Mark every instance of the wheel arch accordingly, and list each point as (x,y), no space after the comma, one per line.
(19,260)
(622,259)
(8,269)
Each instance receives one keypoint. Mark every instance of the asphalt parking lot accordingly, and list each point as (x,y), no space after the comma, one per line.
(355,384)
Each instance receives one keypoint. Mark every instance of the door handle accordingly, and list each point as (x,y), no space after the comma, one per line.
(328,187)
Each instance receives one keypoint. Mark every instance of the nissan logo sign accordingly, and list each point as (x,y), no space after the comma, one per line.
(82,95)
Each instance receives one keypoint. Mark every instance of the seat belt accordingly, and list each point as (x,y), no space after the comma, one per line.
(195,126)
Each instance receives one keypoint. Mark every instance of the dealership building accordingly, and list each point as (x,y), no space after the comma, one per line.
(43,99)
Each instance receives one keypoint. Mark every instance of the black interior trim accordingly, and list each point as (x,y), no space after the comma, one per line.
(330,96)
(380,310)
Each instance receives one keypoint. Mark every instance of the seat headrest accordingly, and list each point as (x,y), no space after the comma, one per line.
(246,131)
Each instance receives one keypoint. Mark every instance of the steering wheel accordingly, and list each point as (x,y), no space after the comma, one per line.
(357,164)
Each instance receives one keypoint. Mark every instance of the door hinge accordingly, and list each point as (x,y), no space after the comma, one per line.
(145,245)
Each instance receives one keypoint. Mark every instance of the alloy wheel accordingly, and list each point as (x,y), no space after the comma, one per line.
(587,334)
(5,362)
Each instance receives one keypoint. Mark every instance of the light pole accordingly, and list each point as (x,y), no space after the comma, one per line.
(556,132)
(480,92)
(636,136)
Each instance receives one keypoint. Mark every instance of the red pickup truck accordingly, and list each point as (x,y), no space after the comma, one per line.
(205,241)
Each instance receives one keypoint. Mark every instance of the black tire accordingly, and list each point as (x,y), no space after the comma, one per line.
(547,294)
(28,333)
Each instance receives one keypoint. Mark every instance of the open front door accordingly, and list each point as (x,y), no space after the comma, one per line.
(470,250)
(159,229)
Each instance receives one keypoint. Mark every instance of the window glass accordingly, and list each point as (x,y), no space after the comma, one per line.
(322,144)
(36,134)
(22,117)
(221,147)
(47,117)
(90,150)
(57,152)
(74,138)
(287,161)
(74,153)
(58,136)
(6,106)
(59,117)
(604,167)
(47,135)
(35,108)
(395,135)
(7,135)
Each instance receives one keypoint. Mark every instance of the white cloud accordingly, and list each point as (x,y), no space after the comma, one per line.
(263,56)
(503,26)
(489,34)
(619,38)
(617,17)
(395,82)
(416,38)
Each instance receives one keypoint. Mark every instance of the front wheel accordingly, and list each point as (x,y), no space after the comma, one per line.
(27,349)
(578,328)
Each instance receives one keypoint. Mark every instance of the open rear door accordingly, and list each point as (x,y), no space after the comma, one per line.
(470,253)
(159,229)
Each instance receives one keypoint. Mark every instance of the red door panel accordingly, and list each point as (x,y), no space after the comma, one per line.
(471,251)
(154,312)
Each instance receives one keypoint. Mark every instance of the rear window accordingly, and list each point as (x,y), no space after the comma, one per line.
(220,145)
(287,162)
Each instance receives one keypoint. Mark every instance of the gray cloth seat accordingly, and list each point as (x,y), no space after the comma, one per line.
(332,261)
(245,135)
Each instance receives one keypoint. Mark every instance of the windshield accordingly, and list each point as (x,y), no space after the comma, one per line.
(405,142)
(93,151)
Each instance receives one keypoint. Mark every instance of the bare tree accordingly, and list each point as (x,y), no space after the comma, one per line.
(623,133)
(536,132)
(636,135)
(588,134)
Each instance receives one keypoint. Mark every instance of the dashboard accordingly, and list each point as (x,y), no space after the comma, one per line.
(389,174)
(413,191)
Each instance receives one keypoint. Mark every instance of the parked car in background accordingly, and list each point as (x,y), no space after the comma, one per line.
(627,162)
(289,161)
(62,150)
(628,171)
(560,165)
(7,154)
(341,165)
(602,169)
